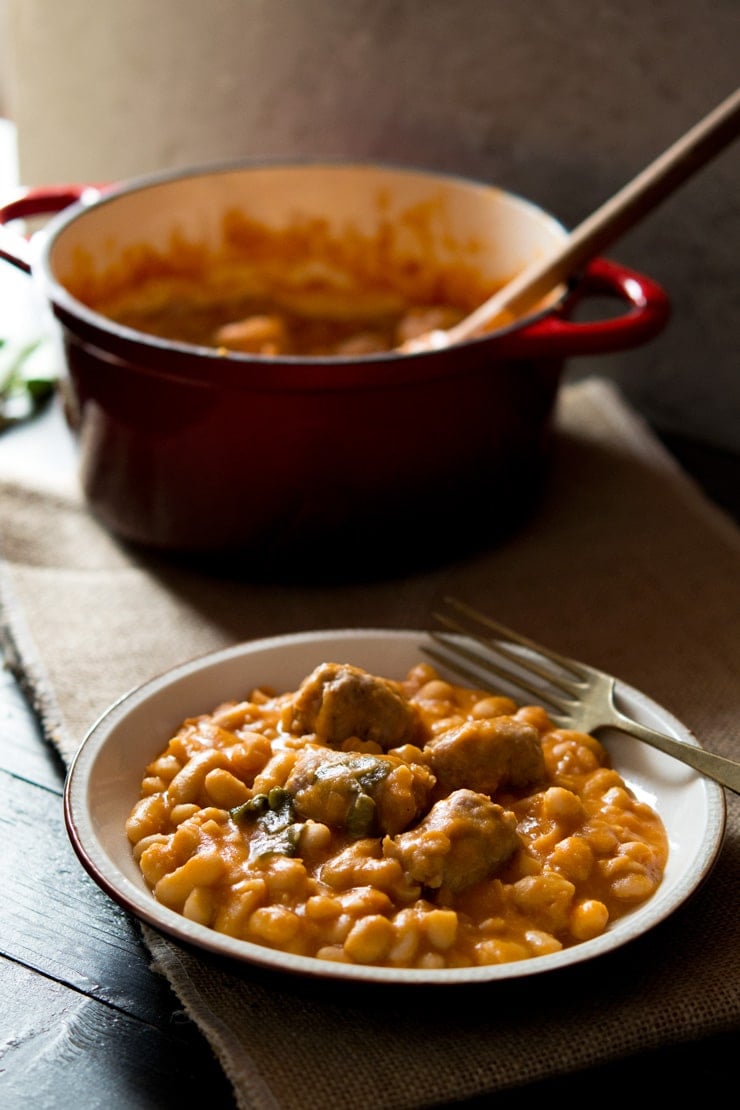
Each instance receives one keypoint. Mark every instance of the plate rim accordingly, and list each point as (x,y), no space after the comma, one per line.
(141,904)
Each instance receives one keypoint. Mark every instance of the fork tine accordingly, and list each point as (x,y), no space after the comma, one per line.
(489,644)
(569,686)
(534,666)
(516,637)
(451,657)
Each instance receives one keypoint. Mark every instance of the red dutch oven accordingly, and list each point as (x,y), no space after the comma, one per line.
(293,465)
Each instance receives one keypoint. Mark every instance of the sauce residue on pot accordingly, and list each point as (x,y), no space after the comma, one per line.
(302,290)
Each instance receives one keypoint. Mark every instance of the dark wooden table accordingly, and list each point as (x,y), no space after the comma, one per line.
(84,1021)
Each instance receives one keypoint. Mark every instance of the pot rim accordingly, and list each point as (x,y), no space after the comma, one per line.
(158,355)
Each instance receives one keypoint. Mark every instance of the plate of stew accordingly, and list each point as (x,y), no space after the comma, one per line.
(332,804)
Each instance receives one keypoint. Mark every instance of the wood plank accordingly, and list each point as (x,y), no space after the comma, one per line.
(83,1019)
(60,1049)
(23,751)
(54,919)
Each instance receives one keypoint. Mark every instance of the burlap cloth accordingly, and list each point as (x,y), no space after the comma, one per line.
(624,564)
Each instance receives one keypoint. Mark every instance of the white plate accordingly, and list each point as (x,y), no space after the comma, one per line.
(104,779)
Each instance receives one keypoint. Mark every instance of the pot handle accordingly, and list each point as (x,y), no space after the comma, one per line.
(556,336)
(33,201)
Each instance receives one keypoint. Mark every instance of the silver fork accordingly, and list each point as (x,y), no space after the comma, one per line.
(576,696)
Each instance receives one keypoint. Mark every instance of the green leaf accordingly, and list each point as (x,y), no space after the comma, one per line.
(27,380)
(276,832)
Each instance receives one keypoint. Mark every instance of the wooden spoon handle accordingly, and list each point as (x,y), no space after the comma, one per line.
(616,216)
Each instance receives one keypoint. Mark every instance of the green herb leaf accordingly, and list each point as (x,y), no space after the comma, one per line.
(276,831)
(27,380)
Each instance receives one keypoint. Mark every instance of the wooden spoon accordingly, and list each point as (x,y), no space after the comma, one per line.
(616,216)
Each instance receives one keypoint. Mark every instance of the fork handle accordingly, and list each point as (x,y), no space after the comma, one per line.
(724,771)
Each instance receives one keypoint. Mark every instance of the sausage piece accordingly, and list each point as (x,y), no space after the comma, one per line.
(338,701)
(464,838)
(487,754)
(358,793)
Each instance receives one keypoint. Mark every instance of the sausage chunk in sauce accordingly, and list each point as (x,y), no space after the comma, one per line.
(490,753)
(359,794)
(339,701)
(464,838)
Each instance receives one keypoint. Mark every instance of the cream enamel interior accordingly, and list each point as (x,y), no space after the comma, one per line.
(447,220)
